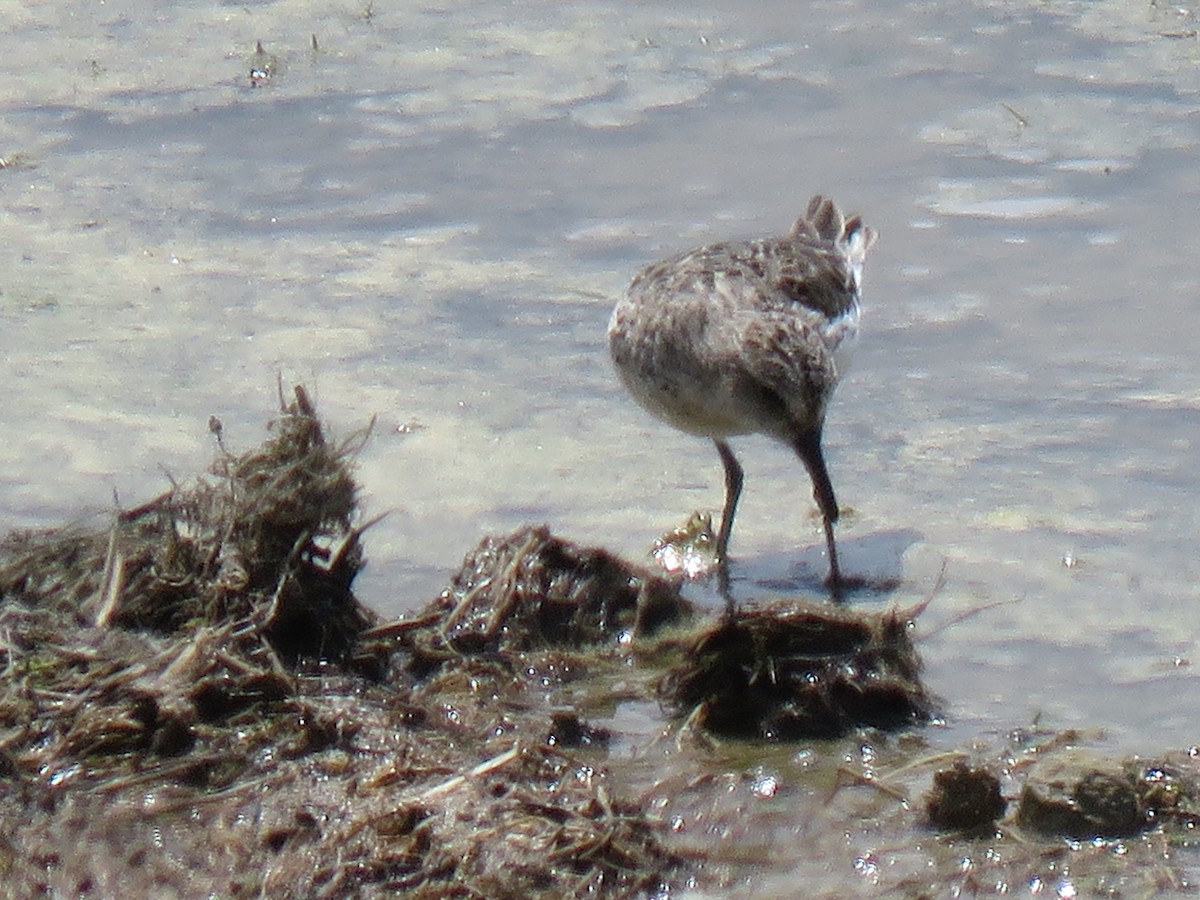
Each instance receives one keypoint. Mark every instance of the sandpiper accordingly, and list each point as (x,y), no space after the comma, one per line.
(747,337)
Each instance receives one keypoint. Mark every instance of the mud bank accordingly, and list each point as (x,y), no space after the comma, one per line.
(195,702)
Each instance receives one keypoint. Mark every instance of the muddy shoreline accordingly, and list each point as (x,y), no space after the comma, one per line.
(195,702)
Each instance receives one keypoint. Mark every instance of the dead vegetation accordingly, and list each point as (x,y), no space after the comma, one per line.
(1077,820)
(194,702)
(531,591)
(265,546)
(794,671)
(965,799)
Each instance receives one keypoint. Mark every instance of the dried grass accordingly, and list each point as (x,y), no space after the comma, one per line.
(195,703)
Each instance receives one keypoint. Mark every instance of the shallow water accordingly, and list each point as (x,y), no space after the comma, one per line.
(428,218)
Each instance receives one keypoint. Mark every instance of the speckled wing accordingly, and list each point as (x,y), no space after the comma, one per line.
(816,276)
(790,307)
(786,371)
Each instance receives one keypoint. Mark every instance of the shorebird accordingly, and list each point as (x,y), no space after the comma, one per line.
(749,337)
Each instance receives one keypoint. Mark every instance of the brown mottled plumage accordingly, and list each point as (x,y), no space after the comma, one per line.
(749,337)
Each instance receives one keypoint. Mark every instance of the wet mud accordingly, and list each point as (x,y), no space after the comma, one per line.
(195,702)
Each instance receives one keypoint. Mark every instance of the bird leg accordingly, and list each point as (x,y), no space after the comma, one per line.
(834,581)
(808,447)
(733,490)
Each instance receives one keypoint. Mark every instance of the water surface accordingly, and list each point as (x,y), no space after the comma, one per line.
(427,218)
